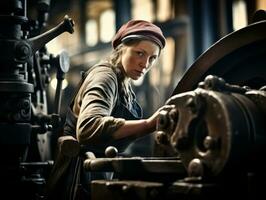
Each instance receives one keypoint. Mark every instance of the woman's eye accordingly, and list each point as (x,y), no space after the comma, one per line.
(152,59)
(140,53)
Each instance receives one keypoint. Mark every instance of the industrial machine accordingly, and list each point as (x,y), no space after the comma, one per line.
(25,124)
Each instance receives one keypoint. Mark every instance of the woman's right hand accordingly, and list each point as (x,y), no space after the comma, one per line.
(152,120)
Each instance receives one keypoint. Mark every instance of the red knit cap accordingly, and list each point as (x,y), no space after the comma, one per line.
(139,29)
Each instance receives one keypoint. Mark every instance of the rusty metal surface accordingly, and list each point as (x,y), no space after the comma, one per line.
(239,58)
(219,128)
(152,168)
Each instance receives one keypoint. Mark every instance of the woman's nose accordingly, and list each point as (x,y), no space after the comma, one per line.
(145,63)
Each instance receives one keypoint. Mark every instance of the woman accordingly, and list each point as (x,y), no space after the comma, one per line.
(105,112)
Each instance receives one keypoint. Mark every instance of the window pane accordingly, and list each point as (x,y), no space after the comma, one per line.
(164,10)
(239,14)
(142,9)
(91,33)
(107,23)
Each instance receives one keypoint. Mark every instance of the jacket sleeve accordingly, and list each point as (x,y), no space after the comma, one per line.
(96,99)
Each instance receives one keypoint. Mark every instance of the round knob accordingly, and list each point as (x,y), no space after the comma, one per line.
(163,119)
(196,168)
(22,52)
(161,137)
(111,152)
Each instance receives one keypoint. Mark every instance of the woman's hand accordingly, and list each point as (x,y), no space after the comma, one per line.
(139,128)
(152,120)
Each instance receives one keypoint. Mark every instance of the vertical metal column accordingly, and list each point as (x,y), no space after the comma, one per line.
(82,34)
(194,30)
(122,11)
(209,21)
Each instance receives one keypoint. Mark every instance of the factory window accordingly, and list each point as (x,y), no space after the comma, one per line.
(142,9)
(163,12)
(107,25)
(91,32)
(100,22)
(159,10)
(240,19)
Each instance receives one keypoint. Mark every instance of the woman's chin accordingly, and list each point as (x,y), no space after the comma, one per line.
(135,78)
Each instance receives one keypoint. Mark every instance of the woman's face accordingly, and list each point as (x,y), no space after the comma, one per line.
(138,58)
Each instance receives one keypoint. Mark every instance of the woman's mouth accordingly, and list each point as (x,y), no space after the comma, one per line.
(139,72)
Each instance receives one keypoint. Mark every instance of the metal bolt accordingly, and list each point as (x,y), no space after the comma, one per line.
(161,137)
(24,50)
(195,168)
(214,82)
(173,114)
(163,119)
(190,103)
(26,104)
(209,142)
